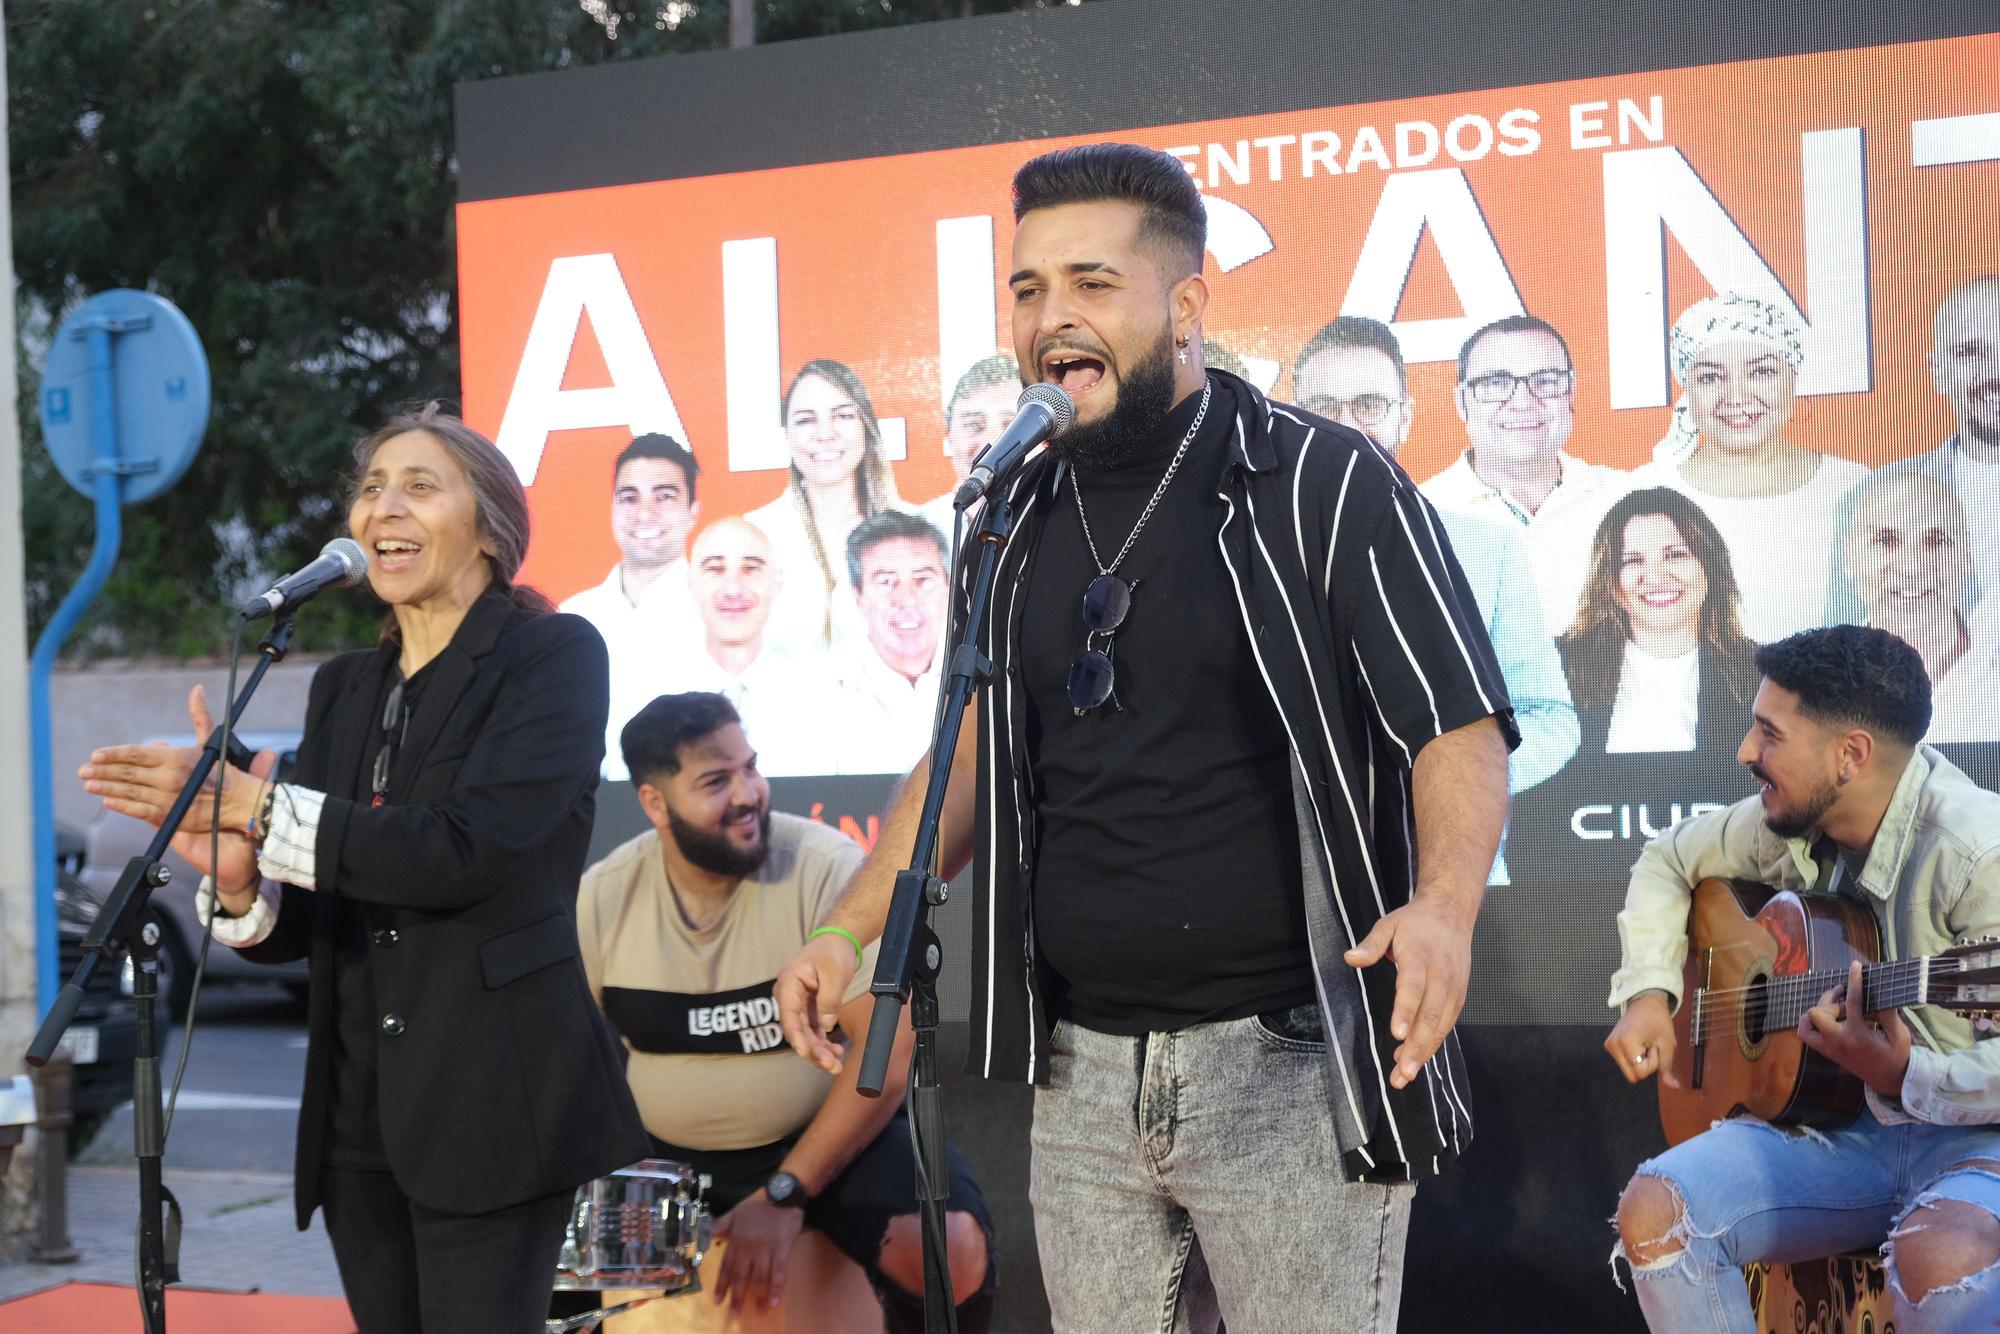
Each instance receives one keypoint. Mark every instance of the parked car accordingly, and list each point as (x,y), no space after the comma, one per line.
(113,840)
(104,1036)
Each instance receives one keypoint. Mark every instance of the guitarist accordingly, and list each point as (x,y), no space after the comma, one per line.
(1851,802)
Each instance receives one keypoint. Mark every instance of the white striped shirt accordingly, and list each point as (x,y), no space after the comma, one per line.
(1371,643)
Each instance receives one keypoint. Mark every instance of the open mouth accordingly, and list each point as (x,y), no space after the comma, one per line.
(1986,395)
(393,553)
(1738,421)
(1663,597)
(1075,372)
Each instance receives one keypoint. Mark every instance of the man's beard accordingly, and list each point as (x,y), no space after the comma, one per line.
(1145,397)
(1803,820)
(1978,430)
(711,850)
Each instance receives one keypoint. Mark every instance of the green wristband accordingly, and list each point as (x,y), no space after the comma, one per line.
(845,934)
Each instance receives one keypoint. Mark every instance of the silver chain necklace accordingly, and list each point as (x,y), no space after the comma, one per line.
(1158,491)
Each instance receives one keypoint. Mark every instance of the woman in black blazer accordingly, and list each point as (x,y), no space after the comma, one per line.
(424,857)
(1656,660)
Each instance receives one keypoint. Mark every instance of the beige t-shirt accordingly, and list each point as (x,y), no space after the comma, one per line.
(709,1066)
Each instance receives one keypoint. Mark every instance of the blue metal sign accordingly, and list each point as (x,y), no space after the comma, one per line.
(160,399)
(124,404)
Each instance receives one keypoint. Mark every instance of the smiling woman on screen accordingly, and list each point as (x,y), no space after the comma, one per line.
(1655,659)
(839,476)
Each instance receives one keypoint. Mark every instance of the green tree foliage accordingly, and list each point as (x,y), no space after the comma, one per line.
(284,174)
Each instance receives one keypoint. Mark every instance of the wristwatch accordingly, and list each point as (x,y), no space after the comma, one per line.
(786,1191)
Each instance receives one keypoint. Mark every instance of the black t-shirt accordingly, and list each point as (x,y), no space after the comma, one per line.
(354,1127)
(1167,888)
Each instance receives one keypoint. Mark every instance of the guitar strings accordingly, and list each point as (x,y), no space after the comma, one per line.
(1722,1006)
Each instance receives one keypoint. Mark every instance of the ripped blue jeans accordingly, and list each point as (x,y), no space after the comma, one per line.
(1753,1192)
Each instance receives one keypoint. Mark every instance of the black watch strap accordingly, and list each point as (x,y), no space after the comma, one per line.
(786,1191)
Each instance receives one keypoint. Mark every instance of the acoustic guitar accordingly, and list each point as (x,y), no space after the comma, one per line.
(1758,959)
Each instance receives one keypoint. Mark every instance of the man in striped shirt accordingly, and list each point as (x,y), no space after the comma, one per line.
(1196,807)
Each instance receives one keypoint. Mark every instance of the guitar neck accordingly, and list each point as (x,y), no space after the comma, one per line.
(1884,986)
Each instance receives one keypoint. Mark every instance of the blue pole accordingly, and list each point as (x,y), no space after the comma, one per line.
(103,555)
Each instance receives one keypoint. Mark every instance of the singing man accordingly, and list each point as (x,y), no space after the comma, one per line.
(1239,684)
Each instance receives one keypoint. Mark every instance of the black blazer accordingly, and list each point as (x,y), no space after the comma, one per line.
(1722,713)
(497,1078)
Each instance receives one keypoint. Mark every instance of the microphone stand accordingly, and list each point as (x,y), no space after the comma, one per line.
(121,926)
(908,960)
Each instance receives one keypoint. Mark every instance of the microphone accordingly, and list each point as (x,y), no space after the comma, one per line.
(1043,413)
(341,561)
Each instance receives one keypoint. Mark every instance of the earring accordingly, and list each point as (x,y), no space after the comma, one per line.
(1182,344)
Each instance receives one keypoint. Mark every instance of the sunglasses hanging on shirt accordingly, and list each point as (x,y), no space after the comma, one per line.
(395,722)
(1108,600)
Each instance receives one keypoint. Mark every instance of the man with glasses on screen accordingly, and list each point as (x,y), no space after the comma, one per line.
(1352,372)
(1516,395)
(1235,668)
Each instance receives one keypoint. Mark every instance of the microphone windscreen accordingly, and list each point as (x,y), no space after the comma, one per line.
(1060,405)
(349,553)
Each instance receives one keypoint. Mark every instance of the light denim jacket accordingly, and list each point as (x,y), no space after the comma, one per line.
(1932,876)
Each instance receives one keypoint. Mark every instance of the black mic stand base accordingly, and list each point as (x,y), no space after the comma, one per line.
(123,925)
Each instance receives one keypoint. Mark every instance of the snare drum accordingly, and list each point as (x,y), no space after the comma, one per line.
(644,1226)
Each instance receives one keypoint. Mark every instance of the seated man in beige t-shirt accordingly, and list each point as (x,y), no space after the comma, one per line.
(683,931)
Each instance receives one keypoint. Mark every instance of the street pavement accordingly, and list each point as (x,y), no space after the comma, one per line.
(228,1162)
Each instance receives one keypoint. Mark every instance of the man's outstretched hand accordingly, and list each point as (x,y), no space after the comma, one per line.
(809,992)
(1431,948)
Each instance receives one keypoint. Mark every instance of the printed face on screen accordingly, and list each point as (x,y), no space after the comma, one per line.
(1358,387)
(650,512)
(1792,758)
(1522,428)
(977,420)
(1740,395)
(1661,586)
(824,429)
(1091,304)
(902,597)
(733,579)
(1966,361)
(717,809)
(1908,552)
(416,517)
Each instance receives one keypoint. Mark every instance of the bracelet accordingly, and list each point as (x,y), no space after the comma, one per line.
(844,933)
(260,823)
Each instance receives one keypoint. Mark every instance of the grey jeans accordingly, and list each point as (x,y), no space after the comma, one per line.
(1184,1177)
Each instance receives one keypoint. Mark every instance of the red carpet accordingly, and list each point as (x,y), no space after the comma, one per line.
(108,1308)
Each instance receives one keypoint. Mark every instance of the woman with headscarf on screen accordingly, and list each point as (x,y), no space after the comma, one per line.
(1655,658)
(1738,359)
(839,476)
(1908,554)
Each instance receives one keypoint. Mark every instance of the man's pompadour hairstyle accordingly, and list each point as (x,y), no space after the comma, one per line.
(1158,182)
(1853,676)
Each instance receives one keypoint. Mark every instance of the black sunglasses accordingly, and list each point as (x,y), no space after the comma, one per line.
(395,722)
(1105,605)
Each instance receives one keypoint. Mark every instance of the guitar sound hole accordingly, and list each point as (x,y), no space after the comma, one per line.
(1756,1009)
